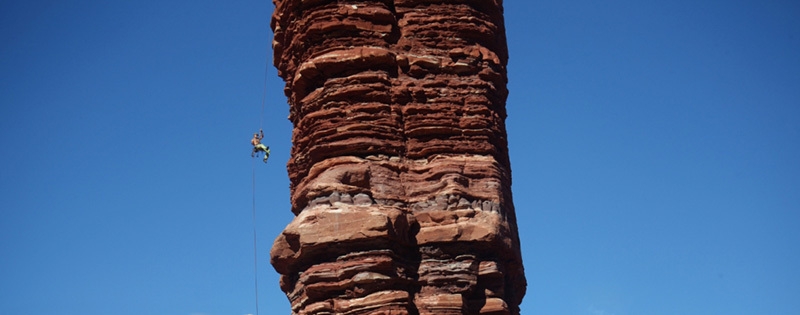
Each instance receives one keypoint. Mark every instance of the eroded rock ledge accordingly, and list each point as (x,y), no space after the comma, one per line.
(399,170)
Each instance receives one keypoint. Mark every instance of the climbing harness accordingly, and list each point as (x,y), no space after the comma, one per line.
(258,146)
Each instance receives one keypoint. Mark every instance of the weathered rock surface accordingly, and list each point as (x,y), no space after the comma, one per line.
(399,172)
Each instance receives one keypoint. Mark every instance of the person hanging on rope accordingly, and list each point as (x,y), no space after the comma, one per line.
(258,146)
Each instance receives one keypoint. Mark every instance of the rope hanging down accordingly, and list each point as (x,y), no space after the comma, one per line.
(255,238)
(259,147)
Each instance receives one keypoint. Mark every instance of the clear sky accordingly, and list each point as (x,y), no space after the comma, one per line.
(655,149)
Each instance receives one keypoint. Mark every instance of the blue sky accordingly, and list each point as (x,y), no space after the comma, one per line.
(654,150)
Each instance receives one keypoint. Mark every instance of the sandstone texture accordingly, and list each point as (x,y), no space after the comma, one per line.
(400,177)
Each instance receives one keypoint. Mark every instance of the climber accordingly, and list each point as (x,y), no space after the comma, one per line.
(258,146)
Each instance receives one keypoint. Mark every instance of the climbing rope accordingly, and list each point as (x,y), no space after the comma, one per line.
(264,93)
(260,128)
(255,238)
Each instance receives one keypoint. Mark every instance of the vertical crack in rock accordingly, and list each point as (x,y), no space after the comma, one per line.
(399,170)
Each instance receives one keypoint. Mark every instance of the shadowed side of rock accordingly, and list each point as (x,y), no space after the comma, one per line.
(400,177)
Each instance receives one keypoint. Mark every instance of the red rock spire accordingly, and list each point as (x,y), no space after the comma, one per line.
(400,177)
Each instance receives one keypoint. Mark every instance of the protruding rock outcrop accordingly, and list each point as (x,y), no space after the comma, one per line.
(399,172)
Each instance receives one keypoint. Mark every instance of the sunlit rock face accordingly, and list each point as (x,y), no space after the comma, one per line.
(400,177)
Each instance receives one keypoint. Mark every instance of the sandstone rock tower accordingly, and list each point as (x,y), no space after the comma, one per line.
(400,177)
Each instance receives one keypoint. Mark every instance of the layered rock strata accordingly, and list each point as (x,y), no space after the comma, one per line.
(400,178)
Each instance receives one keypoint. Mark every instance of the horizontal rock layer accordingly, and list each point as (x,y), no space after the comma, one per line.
(399,168)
